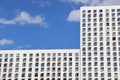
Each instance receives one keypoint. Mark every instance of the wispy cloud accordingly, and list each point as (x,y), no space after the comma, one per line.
(24,18)
(41,3)
(74,1)
(74,14)
(23,47)
(4,42)
(94,2)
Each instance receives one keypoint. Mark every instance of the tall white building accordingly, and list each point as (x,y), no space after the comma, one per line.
(100,43)
(40,64)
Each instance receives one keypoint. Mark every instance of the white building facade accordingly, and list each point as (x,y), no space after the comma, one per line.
(40,64)
(100,43)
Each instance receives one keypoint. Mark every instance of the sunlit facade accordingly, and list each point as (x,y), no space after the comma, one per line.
(100,43)
(40,64)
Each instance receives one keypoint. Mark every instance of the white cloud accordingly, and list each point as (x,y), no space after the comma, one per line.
(6,42)
(100,2)
(24,47)
(74,16)
(41,3)
(24,18)
(109,2)
(76,1)
(94,2)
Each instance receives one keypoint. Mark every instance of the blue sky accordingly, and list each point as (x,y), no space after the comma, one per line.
(20,29)
(42,24)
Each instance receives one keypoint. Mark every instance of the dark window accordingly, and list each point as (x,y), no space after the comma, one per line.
(114,38)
